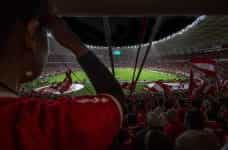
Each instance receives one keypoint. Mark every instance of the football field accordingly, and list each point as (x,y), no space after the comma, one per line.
(121,74)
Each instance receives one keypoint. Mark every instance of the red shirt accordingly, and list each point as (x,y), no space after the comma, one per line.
(173,130)
(83,123)
(181,113)
(141,119)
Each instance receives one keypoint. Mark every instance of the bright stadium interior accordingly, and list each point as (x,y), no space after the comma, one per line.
(125,44)
(169,60)
(177,40)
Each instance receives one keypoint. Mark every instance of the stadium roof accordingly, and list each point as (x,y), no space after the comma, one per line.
(208,33)
(140,7)
(125,30)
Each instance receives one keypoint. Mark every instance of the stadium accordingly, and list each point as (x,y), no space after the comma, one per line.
(60,60)
(175,64)
(114,75)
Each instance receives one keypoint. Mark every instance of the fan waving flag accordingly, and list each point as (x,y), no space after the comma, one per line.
(159,87)
(60,88)
(128,86)
(203,77)
(223,85)
(205,65)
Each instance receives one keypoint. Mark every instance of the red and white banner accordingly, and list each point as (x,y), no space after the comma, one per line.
(203,77)
(204,65)
(223,85)
(62,87)
(128,86)
(159,87)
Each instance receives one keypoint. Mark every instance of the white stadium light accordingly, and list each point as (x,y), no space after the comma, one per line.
(49,35)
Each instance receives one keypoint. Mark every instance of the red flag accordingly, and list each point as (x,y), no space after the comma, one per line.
(223,85)
(128,86)
(202,76)
(205,65)
(159,87)
(62,87)
(195,85)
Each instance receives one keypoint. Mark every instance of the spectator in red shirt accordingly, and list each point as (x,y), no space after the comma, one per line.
(181,111)
(83,123)
(141,116)
(141,120)
(174,127)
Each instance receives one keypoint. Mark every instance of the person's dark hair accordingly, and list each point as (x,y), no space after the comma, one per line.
(131,119)
(140,106)
(129,107)
(223,100)
(119,139)
(160,101)
(157,140)
(19,10)
(197,103)
(194,119)
(181,102)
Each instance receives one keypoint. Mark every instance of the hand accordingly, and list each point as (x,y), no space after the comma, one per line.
(62,33)
(66,37)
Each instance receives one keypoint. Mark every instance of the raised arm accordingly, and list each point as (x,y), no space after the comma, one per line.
(102,80)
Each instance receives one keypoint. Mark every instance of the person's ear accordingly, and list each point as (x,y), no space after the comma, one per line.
(31,33)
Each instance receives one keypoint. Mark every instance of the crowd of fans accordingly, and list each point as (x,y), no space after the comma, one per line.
(161,123)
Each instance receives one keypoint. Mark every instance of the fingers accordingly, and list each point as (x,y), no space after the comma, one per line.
(48,12)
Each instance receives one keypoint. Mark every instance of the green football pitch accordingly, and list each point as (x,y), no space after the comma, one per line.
(122,74)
